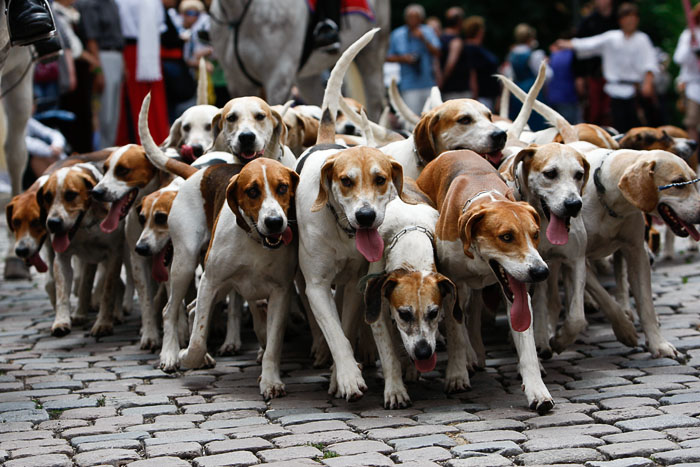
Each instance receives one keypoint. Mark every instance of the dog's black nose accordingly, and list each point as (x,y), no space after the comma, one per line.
(499,137)
(365,216)
(246,138)
(142,249)
(274,223)
(98,193)
(197,150)
(22,251)
(422,350)
(692,144)
(539,273)
(573,207)
(349,129)
(54,224)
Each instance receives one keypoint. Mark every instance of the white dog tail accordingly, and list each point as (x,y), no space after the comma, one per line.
(565,129)
(505,103)
(202,83)
(402,109)
(153,152)
(526,110)
(333,94)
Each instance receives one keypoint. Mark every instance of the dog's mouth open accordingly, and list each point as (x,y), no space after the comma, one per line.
(118,211)
(249,156)
(494,157)
(424,366)
(61,240)
(275,241)
(370,244)
(37,261)
(160,263)
(516,293)
(187,153)
(677,225)
(558,227)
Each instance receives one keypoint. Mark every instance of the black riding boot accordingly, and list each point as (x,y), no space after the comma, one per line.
(29,21)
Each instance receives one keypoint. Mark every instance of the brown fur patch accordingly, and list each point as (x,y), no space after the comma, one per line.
(638,187)
(592,134)
(213,187)
(24,215)
(647,139)
(133,167)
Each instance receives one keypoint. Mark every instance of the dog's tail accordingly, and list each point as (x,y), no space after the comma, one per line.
(403,111)
(504,110)
(380,131)
(153,152)
(202,83)
(332,96)
(526,110)
(565,129)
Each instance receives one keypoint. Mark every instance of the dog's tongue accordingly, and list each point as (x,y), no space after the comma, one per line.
(287,236)
(158,270)
(370,244)
(690,228)
(494,157)
(426,365)
(187,153)
(111,222)
(60,242)
(520,309)
(36,261)
(556,230)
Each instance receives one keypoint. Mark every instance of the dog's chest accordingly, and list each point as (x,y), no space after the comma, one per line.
(475,272)
(92,245)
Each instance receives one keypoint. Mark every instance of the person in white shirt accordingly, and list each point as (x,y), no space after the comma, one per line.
(629,64)
(687,56)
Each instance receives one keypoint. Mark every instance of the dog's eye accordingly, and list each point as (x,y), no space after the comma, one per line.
(186,127)
(433,313)
(17,223)
(346,181)
(405,315)
(550,174)
(142,219)
(48,197)
(252,192)
(466,120)
(508,237)
(536,235)
(35,223)
(578,176)
(121,171)
(207,127)
(232,118)
(259,117)
(160,218)
(380,180)
(70,196)
(282,189)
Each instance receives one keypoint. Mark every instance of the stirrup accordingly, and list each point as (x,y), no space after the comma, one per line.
(29,40)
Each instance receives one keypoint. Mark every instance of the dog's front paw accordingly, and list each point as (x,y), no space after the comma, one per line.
(150,340)
(321,353)
(79,318)
(271,388)
(347,383)
(168,360)
(664,349)
(60,328)
(396,396)
(102,328)
(229,348)
(538,398)
(457,380)
(625,332)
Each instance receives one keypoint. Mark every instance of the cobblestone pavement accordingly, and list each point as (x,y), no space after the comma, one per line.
(78,401)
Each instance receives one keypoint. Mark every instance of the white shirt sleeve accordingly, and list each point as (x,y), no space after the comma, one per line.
(536,59)
(647,55)
(151,17)
(587,47)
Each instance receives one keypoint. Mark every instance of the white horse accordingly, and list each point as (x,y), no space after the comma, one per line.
(270,42)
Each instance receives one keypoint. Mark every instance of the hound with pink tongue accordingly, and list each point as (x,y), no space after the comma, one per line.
(520,316)
(60,242)
(370,244)
(557,233)
(36,261)
(111,222)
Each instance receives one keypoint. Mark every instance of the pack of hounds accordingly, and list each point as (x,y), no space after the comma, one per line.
(386,242)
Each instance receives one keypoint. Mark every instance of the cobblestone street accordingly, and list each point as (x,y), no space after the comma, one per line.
(78,401)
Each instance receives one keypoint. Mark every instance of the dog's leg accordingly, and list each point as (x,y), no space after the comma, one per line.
(458,345)
(575,321)
(232,343)
(554,305)
(271,384)
(640,275)
(538,397)
(118,302)
(98,281)
(669,249)
(128,299)
(622,284)
(475,309)
(319,348)
(104,325)
(395,394)
(50,285)
(63,275)
(195,355)
(87,277)
(541,318)
(352,322)
(259,323)
(621,324)
(141,270)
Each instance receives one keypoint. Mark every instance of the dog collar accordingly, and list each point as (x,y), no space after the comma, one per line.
(469,201)
(600,189)
(349,230)
(679,184)
(406,230)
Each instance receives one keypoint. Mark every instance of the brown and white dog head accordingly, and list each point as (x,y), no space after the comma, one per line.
(191,134)
(154,240)
(127,172)
(647,139)
(26,221)
(262,198)
(359,183)
(416,302)
(301,130)
(552,175)
(642,184)
(505,234)
(459,124)
(65,197)
(343,126)
(248,128)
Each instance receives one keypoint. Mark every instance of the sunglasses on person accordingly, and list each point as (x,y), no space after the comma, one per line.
(191,13)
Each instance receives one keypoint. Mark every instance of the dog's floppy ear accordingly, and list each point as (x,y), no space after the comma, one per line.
(666,138)
(525,156)
(279,134)
(466,224)
(397,176)
(324,184)
(637,185)
(175,136)
(449,297)
(8,214)
(373,298)
(309,128)
(586,170)
(217,124)
(423,136)
(294,178)
(232,200)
